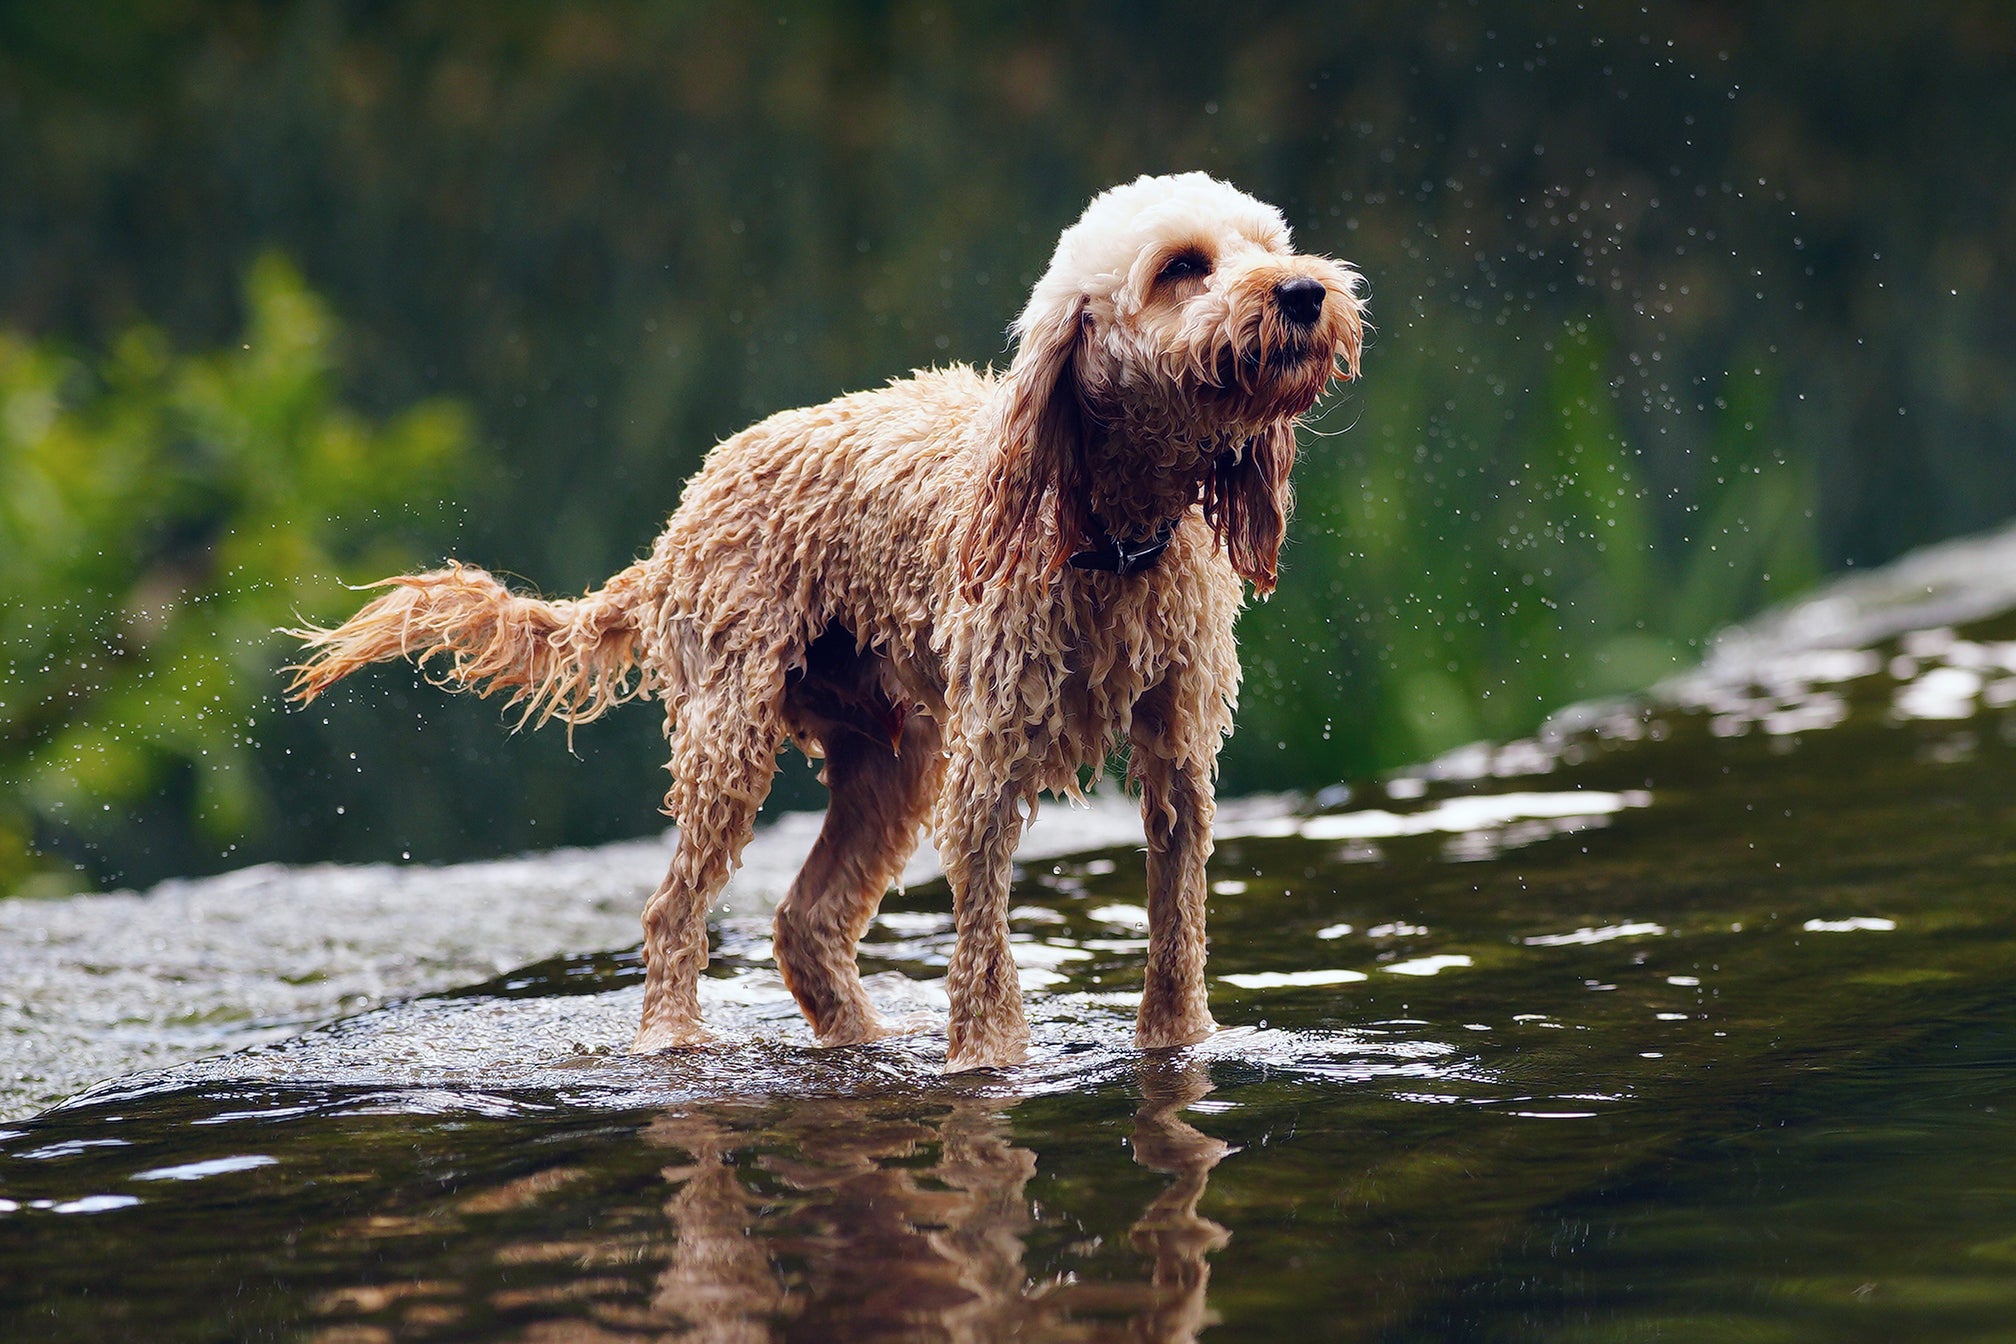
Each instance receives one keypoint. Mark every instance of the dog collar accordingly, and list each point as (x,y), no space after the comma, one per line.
(1124,557)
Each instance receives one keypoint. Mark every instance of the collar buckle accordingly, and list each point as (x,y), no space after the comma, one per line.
(1126,557)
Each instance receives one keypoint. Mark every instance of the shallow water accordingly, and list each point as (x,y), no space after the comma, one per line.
(1690,1018)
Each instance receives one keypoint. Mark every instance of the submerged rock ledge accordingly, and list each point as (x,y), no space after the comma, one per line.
(100,985)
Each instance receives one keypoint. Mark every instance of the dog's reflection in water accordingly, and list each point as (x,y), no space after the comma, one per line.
(821,1219)
(878,1226)
(1171,1231)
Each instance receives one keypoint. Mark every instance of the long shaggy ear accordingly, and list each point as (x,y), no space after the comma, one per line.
(1247,500)
(1034,506)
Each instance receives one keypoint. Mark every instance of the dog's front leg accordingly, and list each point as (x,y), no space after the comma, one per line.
(1176,812)
(979,822)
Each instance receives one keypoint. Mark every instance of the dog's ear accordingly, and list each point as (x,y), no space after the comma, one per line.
(1247,500)
(1034,504)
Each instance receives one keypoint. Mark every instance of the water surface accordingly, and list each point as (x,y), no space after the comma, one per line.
(1690,1018)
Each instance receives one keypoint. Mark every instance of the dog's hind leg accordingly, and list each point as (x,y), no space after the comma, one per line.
(881,794)
(724,753)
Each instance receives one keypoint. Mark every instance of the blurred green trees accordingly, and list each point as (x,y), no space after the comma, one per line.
(160,514)
(1456,571)
(1678,304)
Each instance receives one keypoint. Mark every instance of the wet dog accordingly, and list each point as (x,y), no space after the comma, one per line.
(962,590)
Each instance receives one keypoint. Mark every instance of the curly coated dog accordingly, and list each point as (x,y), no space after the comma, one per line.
(962,589)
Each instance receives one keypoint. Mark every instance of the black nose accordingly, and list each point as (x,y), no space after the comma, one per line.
(1301,300)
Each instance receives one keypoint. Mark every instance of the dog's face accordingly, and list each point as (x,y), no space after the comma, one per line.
(1190,303)
(1174,340)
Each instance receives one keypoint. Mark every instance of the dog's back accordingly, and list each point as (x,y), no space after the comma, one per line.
(851,509)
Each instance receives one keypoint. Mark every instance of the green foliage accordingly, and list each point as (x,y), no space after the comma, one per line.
(160,515)
(1482,547)
(621,230)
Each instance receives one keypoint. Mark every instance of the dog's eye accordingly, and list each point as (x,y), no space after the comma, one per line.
(1185,266)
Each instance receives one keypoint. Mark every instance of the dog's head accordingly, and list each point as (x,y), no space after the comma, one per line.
(1175,316)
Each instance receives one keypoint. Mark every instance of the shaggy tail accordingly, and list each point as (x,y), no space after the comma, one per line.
(569,660)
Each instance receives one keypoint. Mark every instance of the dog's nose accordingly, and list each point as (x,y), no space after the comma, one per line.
(1300,299)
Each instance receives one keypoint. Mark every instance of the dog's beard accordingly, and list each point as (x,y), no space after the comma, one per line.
(1266,382)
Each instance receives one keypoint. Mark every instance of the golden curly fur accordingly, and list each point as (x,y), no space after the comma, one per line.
(936,587)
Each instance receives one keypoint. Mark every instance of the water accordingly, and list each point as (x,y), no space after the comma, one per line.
(1689,1019)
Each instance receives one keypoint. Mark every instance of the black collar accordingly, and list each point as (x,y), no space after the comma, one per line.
(1123,557)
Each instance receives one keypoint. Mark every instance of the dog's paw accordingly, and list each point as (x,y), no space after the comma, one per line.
(653,1037)
(986,1055)
(1172,1033)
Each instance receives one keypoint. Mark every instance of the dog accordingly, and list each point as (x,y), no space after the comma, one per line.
(962,590)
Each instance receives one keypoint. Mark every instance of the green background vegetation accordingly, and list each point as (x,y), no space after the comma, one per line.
(1678,307)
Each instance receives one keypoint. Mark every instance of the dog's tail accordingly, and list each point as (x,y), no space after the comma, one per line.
(568,660)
